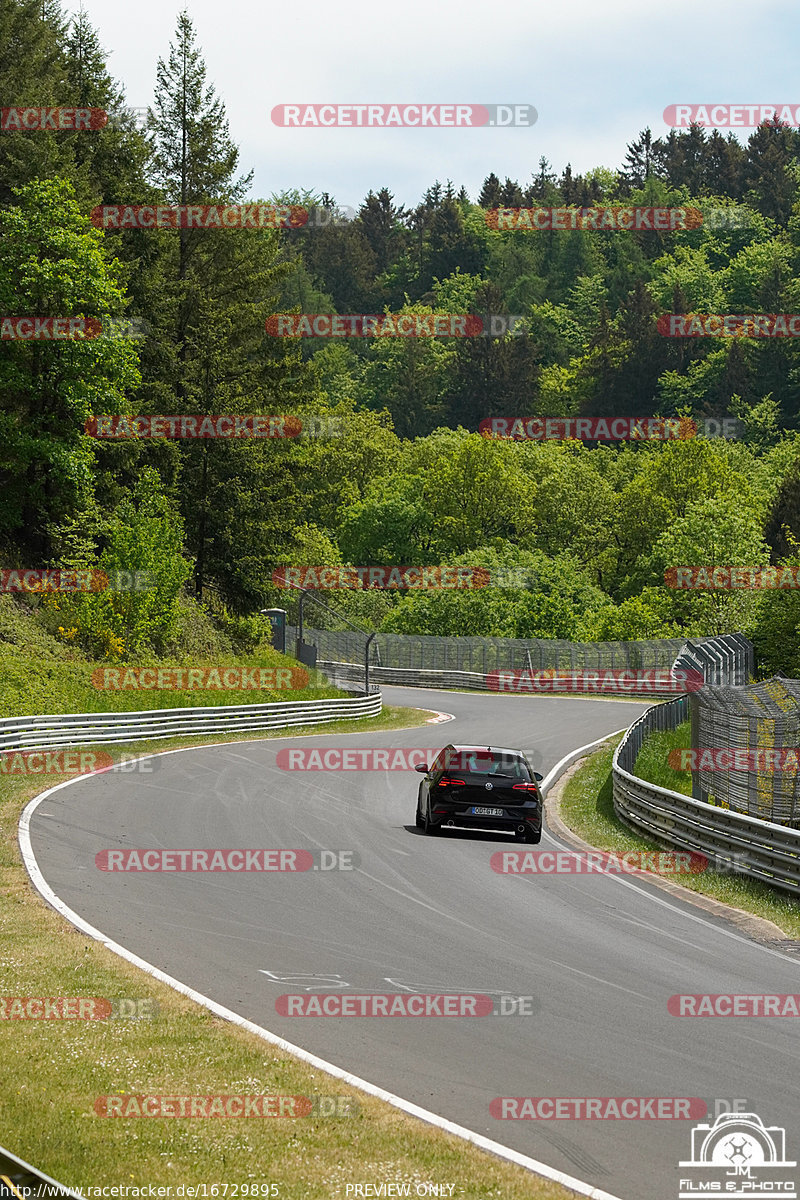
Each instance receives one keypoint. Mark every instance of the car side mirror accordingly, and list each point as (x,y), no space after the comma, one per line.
(422,768)
(537,775)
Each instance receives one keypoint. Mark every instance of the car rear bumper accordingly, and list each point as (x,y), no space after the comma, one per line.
(510,823)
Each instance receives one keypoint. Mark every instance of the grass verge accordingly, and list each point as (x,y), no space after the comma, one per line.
(587,808)
(54,1070)
(653,761)
(50,686)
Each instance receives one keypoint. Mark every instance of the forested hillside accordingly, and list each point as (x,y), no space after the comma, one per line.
(408,479)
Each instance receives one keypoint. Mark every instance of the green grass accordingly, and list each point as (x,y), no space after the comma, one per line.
(48,685)
(54,1070)
(653,761)
(587,808)
(41,673)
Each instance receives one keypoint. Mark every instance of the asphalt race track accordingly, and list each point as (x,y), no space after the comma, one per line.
(599,955)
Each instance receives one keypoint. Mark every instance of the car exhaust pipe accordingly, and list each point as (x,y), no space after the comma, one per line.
(450,824)
(520,829)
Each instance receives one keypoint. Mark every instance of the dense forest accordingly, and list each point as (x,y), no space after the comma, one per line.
(407,478)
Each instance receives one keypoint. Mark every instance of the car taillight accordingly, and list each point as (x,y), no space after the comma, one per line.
(525,787)
(452,782)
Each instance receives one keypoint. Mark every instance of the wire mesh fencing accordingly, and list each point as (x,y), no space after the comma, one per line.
(727,712)
(747,745)
(724,660)
(482,655)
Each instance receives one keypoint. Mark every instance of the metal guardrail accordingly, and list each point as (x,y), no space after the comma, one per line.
(26,1180)
(745,845)
(49,732)
(342,673)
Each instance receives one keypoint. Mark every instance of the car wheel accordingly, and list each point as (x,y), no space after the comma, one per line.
(532,837)
(428,824)
(419,821)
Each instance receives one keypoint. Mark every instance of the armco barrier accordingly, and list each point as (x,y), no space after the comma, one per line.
(41,733)
(762,849)
(339,674)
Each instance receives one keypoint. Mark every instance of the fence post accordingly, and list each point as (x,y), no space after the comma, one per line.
(366,662)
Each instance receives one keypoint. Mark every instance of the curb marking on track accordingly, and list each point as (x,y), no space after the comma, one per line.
(439,718)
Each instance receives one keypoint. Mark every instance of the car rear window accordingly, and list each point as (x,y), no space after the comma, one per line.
(483,762)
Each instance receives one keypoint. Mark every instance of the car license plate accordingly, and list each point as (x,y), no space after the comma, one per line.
(487,812)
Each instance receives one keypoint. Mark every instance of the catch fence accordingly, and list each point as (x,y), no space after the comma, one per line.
(416,659)
(759,720)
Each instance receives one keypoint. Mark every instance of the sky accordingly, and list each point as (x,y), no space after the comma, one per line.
(596,73)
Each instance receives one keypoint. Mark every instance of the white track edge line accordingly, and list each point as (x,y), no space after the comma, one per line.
(414,1110)
(573,756)
(682,904)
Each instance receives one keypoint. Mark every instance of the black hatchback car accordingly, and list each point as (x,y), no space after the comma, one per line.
(480,787)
